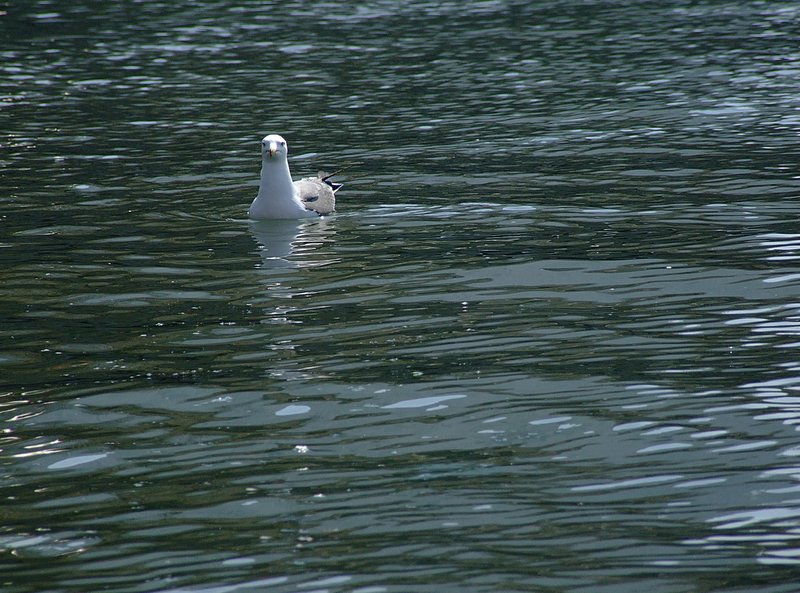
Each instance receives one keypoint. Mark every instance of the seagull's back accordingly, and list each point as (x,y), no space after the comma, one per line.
(317,194)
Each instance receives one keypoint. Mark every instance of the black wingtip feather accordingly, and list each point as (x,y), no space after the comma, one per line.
(326,178)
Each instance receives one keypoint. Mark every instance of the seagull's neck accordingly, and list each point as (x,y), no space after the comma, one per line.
(276,181)
(277,196)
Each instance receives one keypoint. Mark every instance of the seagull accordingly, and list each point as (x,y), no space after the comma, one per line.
(280,197)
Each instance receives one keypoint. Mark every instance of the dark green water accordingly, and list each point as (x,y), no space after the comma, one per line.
(549,343)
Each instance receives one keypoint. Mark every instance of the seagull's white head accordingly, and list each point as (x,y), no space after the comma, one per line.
(273,146)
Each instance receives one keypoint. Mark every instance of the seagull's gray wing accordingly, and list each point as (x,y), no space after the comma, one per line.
(318,193)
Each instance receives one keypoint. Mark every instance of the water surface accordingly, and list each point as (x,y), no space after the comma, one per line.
(548,343)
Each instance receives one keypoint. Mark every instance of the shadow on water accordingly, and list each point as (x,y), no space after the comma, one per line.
(284,243)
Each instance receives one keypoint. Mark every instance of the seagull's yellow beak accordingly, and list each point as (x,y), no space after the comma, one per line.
(273,148)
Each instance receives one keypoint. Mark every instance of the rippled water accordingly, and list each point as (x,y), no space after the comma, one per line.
(549,342)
